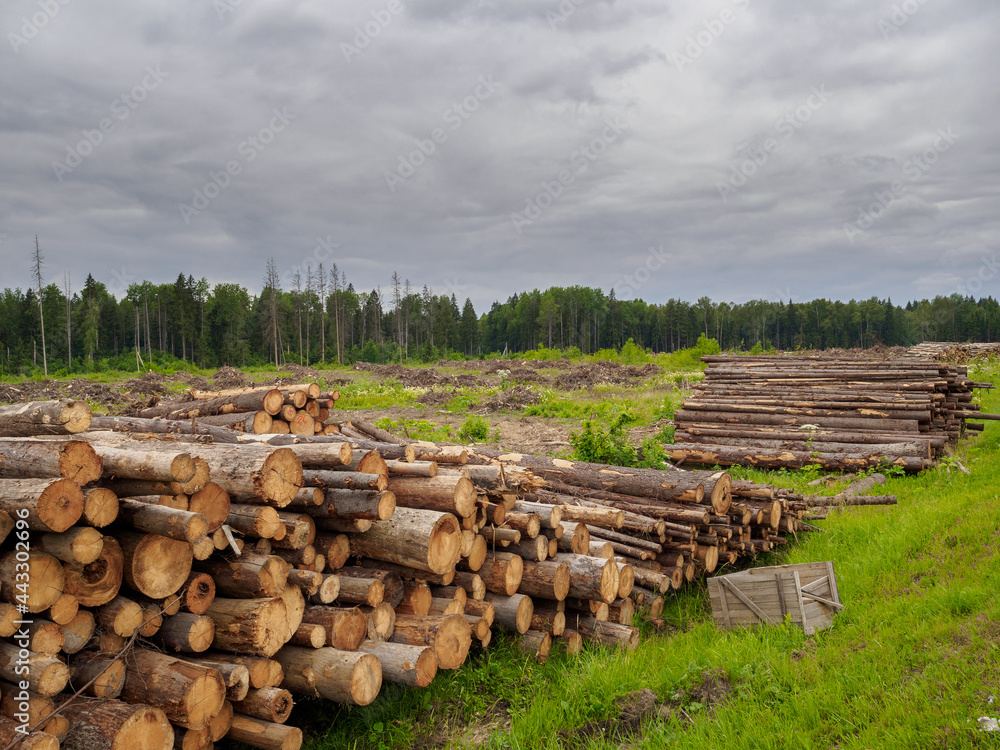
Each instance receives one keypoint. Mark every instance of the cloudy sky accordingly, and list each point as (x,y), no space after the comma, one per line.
(737,149)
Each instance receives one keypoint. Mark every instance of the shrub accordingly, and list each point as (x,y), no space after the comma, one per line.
(610,446)
(475,430)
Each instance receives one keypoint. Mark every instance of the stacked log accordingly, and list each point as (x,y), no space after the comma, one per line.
(838,414)
(297,410)
(210,583)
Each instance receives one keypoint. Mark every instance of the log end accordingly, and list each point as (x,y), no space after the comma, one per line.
(366,679)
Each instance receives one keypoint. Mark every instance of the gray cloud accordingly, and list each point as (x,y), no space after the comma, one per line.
(701,87)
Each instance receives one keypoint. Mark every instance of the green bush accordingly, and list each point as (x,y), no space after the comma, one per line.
(474,430)
(600,446)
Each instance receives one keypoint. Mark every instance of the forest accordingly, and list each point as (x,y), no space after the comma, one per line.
(321,318)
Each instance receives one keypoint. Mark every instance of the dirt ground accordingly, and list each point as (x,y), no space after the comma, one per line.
(515,385)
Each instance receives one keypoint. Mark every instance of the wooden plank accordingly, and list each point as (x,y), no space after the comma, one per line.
(743,598)
(834,591)
(829,603)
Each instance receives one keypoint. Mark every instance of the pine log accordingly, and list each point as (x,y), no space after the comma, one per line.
(99,724)
(65,417)
(513,612)
(74,460)
(249,626)
(536,643)
(256,422)
(448,494)
(339,676)
(261,671)
(501,572)
(590,577)
(213,502)
(164,464)
(189,694)
(264,734)
(422,539)
(269,704)
(270,401)
(235,675)
(344,480)
(312,635)
(546,580)
(403,663)
(79,544)
(154,565)
(187,633)
(45,675)
(607,633)
(176,524)
(450,636)
(346,628)
(254,474)
(373,505)
(736,456)
(51,505)
(34,580)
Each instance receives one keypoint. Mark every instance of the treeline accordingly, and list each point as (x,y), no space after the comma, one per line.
(322,318)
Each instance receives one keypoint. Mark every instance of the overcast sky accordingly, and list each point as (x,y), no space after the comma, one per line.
(738,149)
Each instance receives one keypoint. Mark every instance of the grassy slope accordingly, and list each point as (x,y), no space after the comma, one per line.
(910,663)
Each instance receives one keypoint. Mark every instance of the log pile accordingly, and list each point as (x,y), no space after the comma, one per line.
(296,409)
(182,589)
(839,414)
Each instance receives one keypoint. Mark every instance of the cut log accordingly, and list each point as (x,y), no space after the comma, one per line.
(346,628)
(44,418)
(45,675)
(448,494)
(154,565)
(343,480)
(74,460)
(255,475)
(269,704)
(120,616)
(422,539)
(607,633)
(64,609)
(98,582)
(402,663)
(256,422)
(270,401)
(33,580)
(264,734)
(450,636)
(590,577)
(339,676)
(373,505)
(249,626)
(501,572)
(545,580)
(248,576)
(187,633)
(176,524)
(513,613)
(189,694)
(164,464)
(79,544)
(44,504)
(213,502)
(98,724)
(236,676)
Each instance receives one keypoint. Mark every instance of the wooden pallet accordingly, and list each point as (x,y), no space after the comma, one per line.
(805,594)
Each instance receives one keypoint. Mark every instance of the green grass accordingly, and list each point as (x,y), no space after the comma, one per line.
(910,663)
(416,429)
(377,395)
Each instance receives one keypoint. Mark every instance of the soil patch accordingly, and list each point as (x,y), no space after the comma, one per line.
(514,399)
(587,376)
(230,377)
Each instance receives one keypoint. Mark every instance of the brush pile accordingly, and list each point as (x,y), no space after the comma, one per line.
(839,414)
(170,583)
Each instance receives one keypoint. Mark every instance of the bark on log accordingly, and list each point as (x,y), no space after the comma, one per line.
(255,474)
(264,734)
(186,632)
(501,572)
(590,577)
(346,628)
(255,422)
(44,418)
(402,663)
(268,704)
(339,676)
(189,694)
(545,580)
(74,460)
(79,544)
(372,505)
(513,612)
(343,480)
(45,675)
(450,636)
(447,494)
(249,626)
(97,724)
(45,504)
(423,539)
(181,525)
(270,401)
(132,462)
(735,456)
